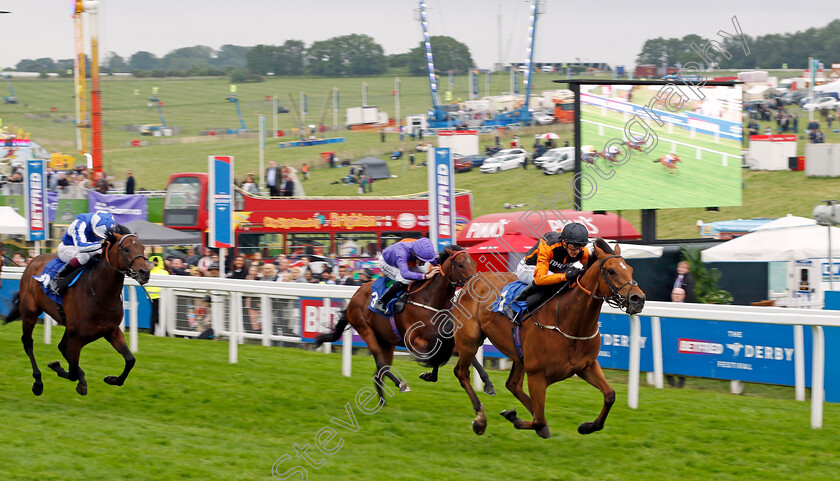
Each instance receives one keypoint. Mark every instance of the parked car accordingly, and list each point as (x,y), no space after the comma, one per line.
(476,160)
(505,152)
(462,165)
(554,154)
(821,103)
(542,118)
(563,160)
(503,162)
(794,96)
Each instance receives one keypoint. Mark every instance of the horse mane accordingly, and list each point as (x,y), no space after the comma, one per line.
(443,254)
(116,229)
(602,244)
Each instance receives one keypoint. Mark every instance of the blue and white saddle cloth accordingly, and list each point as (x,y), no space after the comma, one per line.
(508,294)
(50,270)
(380,286)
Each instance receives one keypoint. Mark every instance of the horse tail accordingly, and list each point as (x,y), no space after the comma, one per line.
(14,313)
(446,346)
(337,331)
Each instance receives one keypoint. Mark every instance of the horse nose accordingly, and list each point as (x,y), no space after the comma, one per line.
(143,276)
(637,302)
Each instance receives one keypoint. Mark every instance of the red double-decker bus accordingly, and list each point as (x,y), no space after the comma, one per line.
(342,227)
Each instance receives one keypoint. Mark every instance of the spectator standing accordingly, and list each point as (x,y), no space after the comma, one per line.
(382,135)
(154,292)
(129,183)
(685,281)
(177,268)
(102,185)
(344,277)
(239,269)
(269,272)
(192,258)
(411,158)
(62,182)
(272,179)
(250,186)
(304,169)
(678,294)
(288,185)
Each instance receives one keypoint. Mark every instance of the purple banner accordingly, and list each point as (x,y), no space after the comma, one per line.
(52,205)
(124,208)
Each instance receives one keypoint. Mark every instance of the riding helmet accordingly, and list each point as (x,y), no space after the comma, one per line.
(424,250)
(575,233)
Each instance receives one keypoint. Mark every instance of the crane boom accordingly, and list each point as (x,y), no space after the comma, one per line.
(438,114)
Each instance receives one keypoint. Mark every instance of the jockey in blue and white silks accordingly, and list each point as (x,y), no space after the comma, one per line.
(82,240)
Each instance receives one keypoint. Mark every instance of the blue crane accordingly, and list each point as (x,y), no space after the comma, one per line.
(437,116)
(523,114)
(11,98)
(235,100)
(154,99)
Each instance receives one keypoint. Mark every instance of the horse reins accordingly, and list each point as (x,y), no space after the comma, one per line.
(129,272)
(616,300)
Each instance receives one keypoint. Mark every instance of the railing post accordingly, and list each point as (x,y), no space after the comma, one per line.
(817,376)
(635,355)
(265,319)
(326,315)
(799,362)
(233,341)
(478,384)
(656,338)
(47,328)
(347,352)
(132,309)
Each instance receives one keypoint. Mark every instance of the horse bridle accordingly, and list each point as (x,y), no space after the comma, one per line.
(130,271)
(460,282)
(615,300)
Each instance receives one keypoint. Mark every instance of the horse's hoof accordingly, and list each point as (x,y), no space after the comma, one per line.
(478,427)
(37,388)
(488,389)
(588,428)
(428,377)
(544,433)
(404,387)
(113,381)
(510,415)
(55,366)
(82,389)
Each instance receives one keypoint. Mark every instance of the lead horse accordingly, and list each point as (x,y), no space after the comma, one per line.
(560,339)
(424,326)
(92,308)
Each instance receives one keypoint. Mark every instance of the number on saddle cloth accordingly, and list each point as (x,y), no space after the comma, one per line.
(50,271)
(380,286)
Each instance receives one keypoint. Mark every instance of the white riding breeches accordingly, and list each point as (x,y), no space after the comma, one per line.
(525,272)
(65,253)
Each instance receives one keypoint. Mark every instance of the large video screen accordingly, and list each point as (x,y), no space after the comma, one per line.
(660,146)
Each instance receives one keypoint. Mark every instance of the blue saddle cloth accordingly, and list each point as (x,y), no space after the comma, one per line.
(508,293)
(50,270)
(378,289)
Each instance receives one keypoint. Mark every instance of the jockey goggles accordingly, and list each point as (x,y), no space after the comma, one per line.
(575,246)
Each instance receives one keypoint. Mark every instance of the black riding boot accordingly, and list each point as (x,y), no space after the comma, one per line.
(392,292)
(59,283)
(523,295)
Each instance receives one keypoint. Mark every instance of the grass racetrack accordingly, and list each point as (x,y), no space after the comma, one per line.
(185,413)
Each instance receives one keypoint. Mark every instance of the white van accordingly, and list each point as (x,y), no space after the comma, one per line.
(557,161)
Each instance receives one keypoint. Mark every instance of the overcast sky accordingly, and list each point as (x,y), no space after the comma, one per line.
(612,31)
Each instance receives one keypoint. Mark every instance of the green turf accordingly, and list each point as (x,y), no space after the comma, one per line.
(185,413)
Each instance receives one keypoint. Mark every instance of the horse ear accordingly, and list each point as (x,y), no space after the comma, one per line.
(617,249)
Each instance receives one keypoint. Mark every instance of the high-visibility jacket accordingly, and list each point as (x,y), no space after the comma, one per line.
(154,292)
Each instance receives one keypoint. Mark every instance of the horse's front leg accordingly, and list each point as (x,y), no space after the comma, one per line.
(595,376)
(537,385)
(71,351)
(116,338)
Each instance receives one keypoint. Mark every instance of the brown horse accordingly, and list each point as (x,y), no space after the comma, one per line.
(560,339)
(92,307)
(423,327)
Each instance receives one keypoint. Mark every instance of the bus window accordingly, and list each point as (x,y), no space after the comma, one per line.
(308,244)
(180,208)
(269,245)
(355,244)
(389,238)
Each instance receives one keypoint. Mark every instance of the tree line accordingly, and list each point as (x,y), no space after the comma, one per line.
(348,55)
(766,51)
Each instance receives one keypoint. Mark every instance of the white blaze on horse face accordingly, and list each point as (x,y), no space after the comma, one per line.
(623,266)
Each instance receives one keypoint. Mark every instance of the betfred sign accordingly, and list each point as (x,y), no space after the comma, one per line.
(316,318)
(35,199)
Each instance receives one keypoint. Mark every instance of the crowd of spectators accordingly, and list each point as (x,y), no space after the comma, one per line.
(297,268)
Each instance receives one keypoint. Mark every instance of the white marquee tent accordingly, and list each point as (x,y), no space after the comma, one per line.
(11,222)
(777,245)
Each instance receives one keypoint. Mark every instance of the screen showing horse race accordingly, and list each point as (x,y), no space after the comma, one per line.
(660,146)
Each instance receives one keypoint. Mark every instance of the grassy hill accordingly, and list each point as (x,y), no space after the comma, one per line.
(192,105)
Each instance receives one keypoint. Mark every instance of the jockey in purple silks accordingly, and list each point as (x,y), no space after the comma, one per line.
(399,262)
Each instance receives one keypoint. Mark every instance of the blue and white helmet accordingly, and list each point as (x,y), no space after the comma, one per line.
(101,222)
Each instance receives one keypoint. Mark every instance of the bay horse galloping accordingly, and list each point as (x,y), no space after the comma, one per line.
(91,308)
(669,161)
(424,326)
(558,340)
